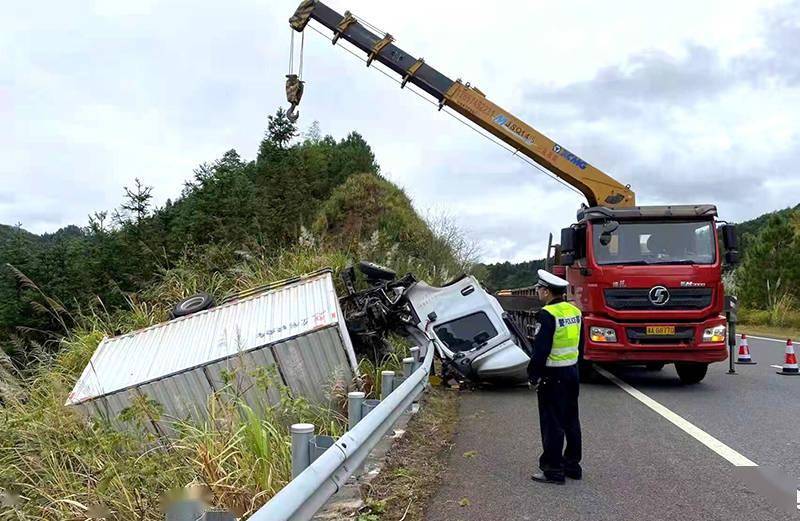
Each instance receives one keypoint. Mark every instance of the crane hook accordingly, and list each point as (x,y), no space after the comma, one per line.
(294,93)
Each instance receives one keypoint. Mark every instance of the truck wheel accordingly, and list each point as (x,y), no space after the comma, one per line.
(193,304)
(655,366)
(376,272)
(691,373)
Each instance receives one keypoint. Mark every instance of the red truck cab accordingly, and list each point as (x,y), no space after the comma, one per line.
(649,283)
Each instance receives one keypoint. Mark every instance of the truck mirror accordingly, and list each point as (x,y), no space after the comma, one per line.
(567,259)
(732,257)
(568,240)
(609,227)
(729,238)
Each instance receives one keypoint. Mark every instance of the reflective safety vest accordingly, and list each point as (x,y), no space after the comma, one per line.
(567,336)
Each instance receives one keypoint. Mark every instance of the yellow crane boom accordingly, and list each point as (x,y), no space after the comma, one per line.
(599,188)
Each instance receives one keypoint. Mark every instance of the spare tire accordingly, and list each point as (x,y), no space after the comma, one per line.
(376,272)
(193,304)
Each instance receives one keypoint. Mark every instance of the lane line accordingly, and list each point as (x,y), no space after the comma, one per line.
(777,366)
(695,432)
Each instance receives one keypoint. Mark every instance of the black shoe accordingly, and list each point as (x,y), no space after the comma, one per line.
(574,475)
(541,477)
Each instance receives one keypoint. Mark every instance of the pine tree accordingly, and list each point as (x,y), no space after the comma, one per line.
(770,258)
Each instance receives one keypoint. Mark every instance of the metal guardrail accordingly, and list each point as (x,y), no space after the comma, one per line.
(322,478)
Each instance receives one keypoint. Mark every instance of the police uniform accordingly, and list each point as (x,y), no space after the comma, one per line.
(554,367)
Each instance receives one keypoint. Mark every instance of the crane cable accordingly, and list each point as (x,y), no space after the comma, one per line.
(291,53)
(446,110)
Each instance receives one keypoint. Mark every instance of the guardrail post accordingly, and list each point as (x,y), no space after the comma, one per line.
(415,354)
(355,401)
(387,383)
(408,367)
(302,433)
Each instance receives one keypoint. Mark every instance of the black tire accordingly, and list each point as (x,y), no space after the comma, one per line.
(691,373)
(655,366)
(376,272)
(193,304)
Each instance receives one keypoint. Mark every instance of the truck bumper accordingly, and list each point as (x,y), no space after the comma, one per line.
(633,346)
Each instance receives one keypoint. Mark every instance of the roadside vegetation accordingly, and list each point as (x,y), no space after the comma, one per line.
(416,464)
(302,205)
(768,280)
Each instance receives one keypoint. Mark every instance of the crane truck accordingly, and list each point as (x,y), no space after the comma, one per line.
(648,279)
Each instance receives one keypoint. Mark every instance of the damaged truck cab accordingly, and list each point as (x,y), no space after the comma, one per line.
(473,333)
(649,283)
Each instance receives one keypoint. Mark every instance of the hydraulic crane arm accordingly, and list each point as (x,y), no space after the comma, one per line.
(599,188)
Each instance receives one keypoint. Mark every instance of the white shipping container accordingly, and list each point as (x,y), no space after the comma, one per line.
(296,326)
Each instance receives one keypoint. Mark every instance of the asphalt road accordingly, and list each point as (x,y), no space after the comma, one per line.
(637,464)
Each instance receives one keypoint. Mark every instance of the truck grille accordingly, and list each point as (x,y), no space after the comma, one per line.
(639,299)
(638,335)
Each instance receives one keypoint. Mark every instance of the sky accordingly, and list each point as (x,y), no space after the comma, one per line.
(686,101)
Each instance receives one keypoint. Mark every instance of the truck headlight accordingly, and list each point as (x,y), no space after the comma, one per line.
(602,334)
(715,334)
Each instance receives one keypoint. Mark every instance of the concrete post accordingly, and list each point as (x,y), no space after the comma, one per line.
(387,383)
(302,433)
(408,367)
(355,401)
(415,354)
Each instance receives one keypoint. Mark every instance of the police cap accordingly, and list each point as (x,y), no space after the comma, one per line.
(550,281)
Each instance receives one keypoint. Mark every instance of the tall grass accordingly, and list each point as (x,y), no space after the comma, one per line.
(371,371)
(782,309)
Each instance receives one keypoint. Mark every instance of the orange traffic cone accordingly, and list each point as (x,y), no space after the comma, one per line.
(743,358)
(790,361)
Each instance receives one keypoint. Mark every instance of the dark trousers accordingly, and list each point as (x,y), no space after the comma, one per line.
(558,419)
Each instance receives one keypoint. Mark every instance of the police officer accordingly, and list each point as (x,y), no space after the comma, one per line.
(553,371)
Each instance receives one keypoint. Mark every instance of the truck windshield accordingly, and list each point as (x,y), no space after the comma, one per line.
(466,333)
(655,242)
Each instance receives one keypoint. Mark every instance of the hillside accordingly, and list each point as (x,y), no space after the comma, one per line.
(507,275)
(298,207)
(748,230)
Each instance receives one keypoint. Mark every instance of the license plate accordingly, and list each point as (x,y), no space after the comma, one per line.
(660,330)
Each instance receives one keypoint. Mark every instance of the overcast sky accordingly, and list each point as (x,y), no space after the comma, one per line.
(687,101)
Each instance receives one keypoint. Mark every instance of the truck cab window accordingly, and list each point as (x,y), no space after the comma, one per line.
(466,333)
(656,242)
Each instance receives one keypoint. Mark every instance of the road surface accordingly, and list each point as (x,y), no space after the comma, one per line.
(637,463)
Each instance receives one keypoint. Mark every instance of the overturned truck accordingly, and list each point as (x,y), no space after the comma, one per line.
(473,335)
(301,332)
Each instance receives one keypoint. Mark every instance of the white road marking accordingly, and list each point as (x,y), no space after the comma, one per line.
(765,338)
(777,366)
(700,435)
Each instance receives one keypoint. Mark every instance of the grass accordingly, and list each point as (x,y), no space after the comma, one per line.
(780,333)
(416,463)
